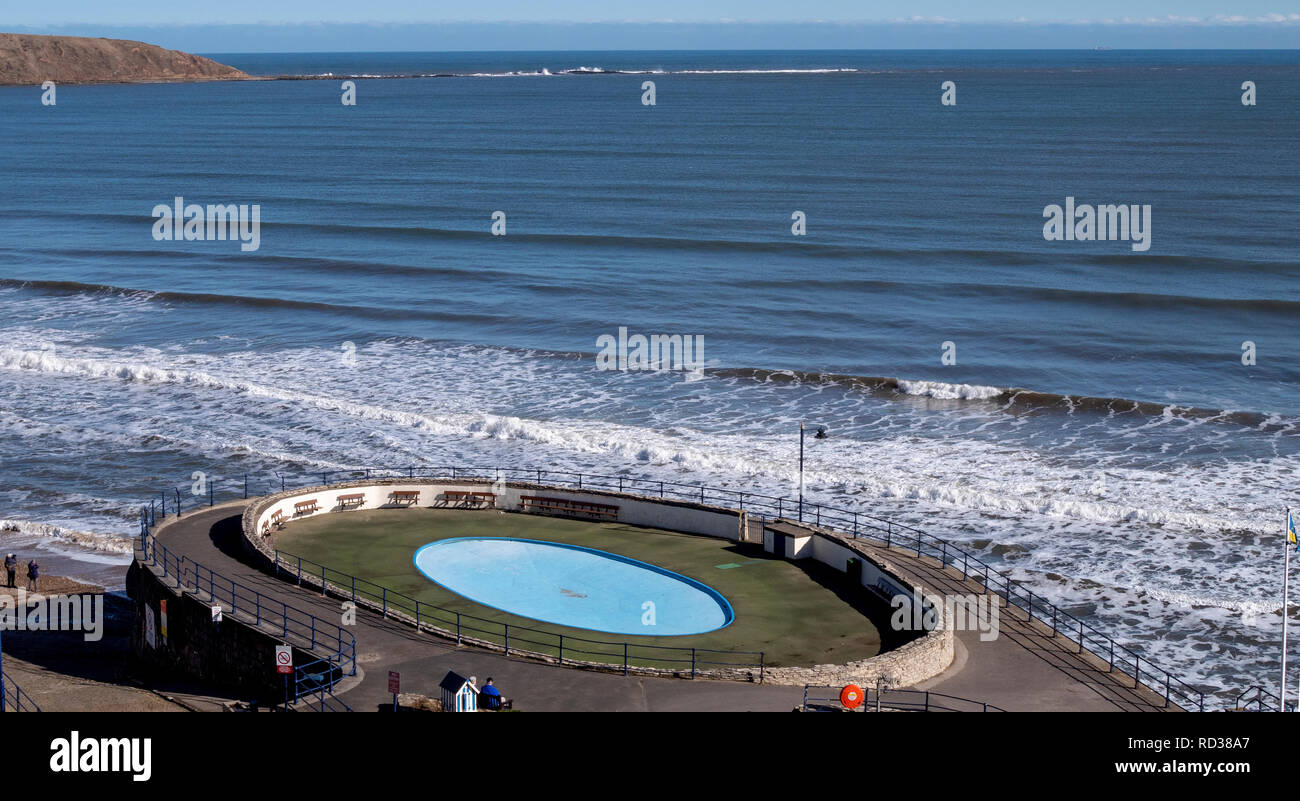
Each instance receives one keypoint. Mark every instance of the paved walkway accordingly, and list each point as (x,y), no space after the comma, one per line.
(1021,670)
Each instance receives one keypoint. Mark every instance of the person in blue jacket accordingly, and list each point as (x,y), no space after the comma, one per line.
(491,695)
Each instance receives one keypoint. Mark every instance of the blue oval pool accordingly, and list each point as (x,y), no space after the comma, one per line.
(573,586)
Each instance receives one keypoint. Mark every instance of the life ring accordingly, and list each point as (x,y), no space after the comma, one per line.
(851,696)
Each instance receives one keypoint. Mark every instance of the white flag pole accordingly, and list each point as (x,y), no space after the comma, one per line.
(1286,577)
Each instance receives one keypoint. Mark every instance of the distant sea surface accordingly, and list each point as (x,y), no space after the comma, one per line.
(1098,436)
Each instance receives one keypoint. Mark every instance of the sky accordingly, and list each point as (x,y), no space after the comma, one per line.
(297,25)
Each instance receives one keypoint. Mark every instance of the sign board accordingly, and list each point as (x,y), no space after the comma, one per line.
(148,627)
(394,682)
(216,613)
(283,659)
(162,620)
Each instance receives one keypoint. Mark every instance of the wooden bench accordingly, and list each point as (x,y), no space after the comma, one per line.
(467,498)
(305,507)
(276,521)
(355,501)
(408,497)
(543,504)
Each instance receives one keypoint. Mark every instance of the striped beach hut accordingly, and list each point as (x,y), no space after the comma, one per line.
(459,694)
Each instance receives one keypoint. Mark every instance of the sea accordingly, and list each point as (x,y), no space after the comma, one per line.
(439,263)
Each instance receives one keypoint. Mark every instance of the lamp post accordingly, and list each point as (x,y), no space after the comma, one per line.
(821,434)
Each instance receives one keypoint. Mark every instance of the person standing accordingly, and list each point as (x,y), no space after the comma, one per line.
(33,573)
(11,567)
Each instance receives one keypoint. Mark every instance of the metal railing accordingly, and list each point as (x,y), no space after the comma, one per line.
(261,611)
(12,697)
(514,639)
(858,525)
(315,682)
(1257,699)
(826,699)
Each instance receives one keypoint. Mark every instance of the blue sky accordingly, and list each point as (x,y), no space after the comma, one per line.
(137,12)
(229,26)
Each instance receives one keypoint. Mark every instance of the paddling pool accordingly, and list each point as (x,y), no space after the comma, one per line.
(573,586)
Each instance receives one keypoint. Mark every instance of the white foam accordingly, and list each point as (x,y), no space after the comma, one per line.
(942,391)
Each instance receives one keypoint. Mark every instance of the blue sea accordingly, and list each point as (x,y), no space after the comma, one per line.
(1075,411)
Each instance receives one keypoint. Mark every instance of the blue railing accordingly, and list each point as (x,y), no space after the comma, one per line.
(857,525)
(260,610)
(1257,699)
(520,640)
(12,697)
(315,682)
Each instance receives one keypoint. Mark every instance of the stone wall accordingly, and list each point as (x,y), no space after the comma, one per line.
(230,655)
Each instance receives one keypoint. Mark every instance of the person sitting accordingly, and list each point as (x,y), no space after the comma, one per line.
(491,699)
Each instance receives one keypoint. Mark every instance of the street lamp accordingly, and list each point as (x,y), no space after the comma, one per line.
(821,434)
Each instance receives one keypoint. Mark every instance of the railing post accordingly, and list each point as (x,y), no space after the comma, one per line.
(1137,672)
(625,657)
(458,628)
(507,625)
(1080,636)
(299,571)
(284,617)
(761,666)
(692,663)
(385,602)
(1167,680)
(1112,656)
(561,649)
(354,597)
(258,598)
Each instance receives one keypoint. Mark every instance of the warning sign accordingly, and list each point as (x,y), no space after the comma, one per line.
(394,682)
(149,636)
(283,659)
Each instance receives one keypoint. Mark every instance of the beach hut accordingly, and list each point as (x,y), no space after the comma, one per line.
(459,694)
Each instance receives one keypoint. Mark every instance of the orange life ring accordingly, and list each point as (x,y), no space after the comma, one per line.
(851,696)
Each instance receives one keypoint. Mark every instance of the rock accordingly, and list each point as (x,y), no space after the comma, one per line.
(29,59)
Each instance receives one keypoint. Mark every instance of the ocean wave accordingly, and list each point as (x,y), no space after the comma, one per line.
(544,72)
(94,541)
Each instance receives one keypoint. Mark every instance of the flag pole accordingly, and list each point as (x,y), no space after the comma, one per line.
(1286,577)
